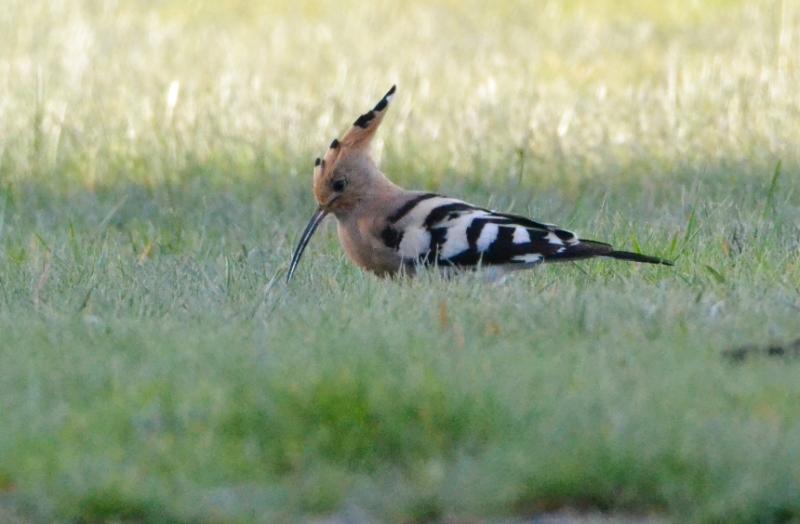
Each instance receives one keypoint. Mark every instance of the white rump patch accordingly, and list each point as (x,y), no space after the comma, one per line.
(487,236)
(528,258)
(553,239)
(521,236)
(572,240)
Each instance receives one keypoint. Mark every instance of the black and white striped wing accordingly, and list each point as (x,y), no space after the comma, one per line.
(431,229)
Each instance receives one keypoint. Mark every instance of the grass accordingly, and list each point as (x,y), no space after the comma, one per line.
(155,165)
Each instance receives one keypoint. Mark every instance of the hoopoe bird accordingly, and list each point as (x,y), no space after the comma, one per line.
(388,230)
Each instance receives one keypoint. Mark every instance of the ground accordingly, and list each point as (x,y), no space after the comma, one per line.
(155,172)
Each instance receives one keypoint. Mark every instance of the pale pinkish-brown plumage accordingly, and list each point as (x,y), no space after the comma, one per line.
(386,229)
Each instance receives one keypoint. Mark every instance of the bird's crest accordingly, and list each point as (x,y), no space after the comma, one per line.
(355,145)
(359,137)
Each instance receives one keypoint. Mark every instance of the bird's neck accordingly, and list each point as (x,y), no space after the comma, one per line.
(380,187)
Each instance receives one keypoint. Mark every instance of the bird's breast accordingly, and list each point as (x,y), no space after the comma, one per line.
(360,238)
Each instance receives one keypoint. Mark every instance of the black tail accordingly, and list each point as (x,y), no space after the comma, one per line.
(636,257)
(592,248)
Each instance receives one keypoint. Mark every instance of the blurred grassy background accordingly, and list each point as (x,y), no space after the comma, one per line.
(155,168)
(581,89)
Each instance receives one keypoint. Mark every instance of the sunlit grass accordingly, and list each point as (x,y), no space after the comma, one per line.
(155,165)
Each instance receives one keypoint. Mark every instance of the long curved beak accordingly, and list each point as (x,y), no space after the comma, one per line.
(316,219)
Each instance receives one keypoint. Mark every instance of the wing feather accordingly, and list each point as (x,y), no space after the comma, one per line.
(432,229)
(439,230)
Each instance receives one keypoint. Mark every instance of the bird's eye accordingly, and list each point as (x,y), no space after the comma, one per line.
(338,185)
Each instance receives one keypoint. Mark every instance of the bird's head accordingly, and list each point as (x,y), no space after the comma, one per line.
(342,175)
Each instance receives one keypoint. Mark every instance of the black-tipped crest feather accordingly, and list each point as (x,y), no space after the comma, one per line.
(364,120)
